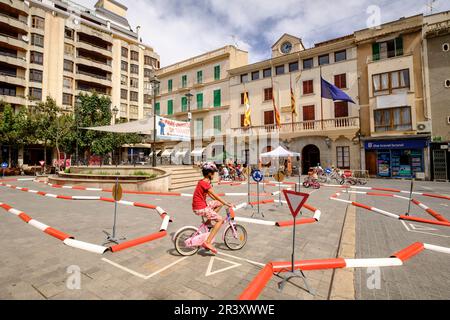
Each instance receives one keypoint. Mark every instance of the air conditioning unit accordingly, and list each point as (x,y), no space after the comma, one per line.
(424,127)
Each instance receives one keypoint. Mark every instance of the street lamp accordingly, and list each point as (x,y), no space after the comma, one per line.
(155,86)
(77,105)
(115,111)
(189,97)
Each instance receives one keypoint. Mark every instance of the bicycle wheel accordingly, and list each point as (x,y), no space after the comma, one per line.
(180,239)
(235,242)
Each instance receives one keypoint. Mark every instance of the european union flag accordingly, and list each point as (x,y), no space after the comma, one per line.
(332,92)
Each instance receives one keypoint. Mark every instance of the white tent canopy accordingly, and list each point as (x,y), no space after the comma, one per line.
(143,126)
(279,152)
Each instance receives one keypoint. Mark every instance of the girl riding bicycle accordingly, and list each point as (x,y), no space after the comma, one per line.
(209,210)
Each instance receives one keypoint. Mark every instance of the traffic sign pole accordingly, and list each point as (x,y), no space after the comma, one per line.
(117,195)
(295,208)
(4,166)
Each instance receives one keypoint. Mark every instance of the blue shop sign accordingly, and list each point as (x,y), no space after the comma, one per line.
(399,144)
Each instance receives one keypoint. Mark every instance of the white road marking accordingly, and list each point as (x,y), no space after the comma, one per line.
(417,227)
(140,275)
(419,231)
(242,259)
(209,271)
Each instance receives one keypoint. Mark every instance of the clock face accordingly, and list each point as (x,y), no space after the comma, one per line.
(286,47)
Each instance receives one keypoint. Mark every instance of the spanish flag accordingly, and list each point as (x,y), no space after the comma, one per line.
(247,119)
(275,110)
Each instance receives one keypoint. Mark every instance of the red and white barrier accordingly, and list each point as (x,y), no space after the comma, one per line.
(65,238)
(258,284)
(425,194)
(440,219)
(288,223)
(92,247)
(122,202)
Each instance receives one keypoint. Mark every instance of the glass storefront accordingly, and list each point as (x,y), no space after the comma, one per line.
(398,159)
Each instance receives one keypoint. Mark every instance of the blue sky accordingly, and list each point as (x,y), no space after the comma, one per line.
(179,29)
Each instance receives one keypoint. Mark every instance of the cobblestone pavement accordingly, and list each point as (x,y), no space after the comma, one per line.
(34,265)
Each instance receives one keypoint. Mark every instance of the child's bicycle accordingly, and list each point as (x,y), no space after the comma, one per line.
(188,240)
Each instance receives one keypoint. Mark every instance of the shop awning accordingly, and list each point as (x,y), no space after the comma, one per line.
(157,152)
(181,153)
(197,151)
(167,152)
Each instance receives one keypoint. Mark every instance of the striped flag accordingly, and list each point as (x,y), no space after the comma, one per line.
(247,119)
(293,109)
(275,110)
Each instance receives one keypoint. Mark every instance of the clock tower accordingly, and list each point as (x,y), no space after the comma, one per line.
(287,44)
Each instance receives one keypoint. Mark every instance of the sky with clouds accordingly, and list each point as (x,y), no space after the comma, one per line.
(179,29)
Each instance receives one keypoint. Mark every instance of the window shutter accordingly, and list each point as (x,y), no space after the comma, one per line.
(217,98)
(157,108)
(217,73)
(399,46)
(199,101)
(170,107)
(376,51)
(183,104)
(217,123)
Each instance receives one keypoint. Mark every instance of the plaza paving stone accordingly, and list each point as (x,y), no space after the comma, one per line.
(34,265)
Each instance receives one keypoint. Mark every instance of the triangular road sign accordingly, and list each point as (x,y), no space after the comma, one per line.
(295,200)
(209,271)
(416,227)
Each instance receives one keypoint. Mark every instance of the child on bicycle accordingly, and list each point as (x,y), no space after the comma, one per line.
(209,210)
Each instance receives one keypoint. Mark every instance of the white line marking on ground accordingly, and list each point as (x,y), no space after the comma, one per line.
(433,234)
(137,274)
(140,275)
(209,271)
(242,259)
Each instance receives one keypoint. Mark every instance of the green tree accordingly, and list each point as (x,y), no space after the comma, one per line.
(44,119)
(15,128)
(95,110)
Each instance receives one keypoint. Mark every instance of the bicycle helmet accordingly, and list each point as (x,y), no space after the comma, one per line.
(209,167)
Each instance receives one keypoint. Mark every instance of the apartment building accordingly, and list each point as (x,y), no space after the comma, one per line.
(323,131)
(197,90)
(391,91)
(60,49)
(436,42)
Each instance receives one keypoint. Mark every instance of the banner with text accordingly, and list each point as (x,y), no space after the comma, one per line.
(168,129)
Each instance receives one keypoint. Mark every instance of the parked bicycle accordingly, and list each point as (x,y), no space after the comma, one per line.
(188,240)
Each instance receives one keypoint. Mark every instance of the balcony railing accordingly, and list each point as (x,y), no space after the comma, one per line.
(14,18)
(106,63)
(97,76)
(11,75)
(303,126)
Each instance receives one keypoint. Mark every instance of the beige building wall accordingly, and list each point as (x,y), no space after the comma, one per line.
(223,58)
(326,132)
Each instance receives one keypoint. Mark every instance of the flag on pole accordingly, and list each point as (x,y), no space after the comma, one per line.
(293,109)
(247,119)
(275,110)
(332,92)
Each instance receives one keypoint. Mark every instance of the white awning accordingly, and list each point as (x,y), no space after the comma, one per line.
(181,153)
(157,152)
(197,151)
(143,126)
(167,152)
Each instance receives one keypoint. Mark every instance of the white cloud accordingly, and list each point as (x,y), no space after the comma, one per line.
(179,29)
